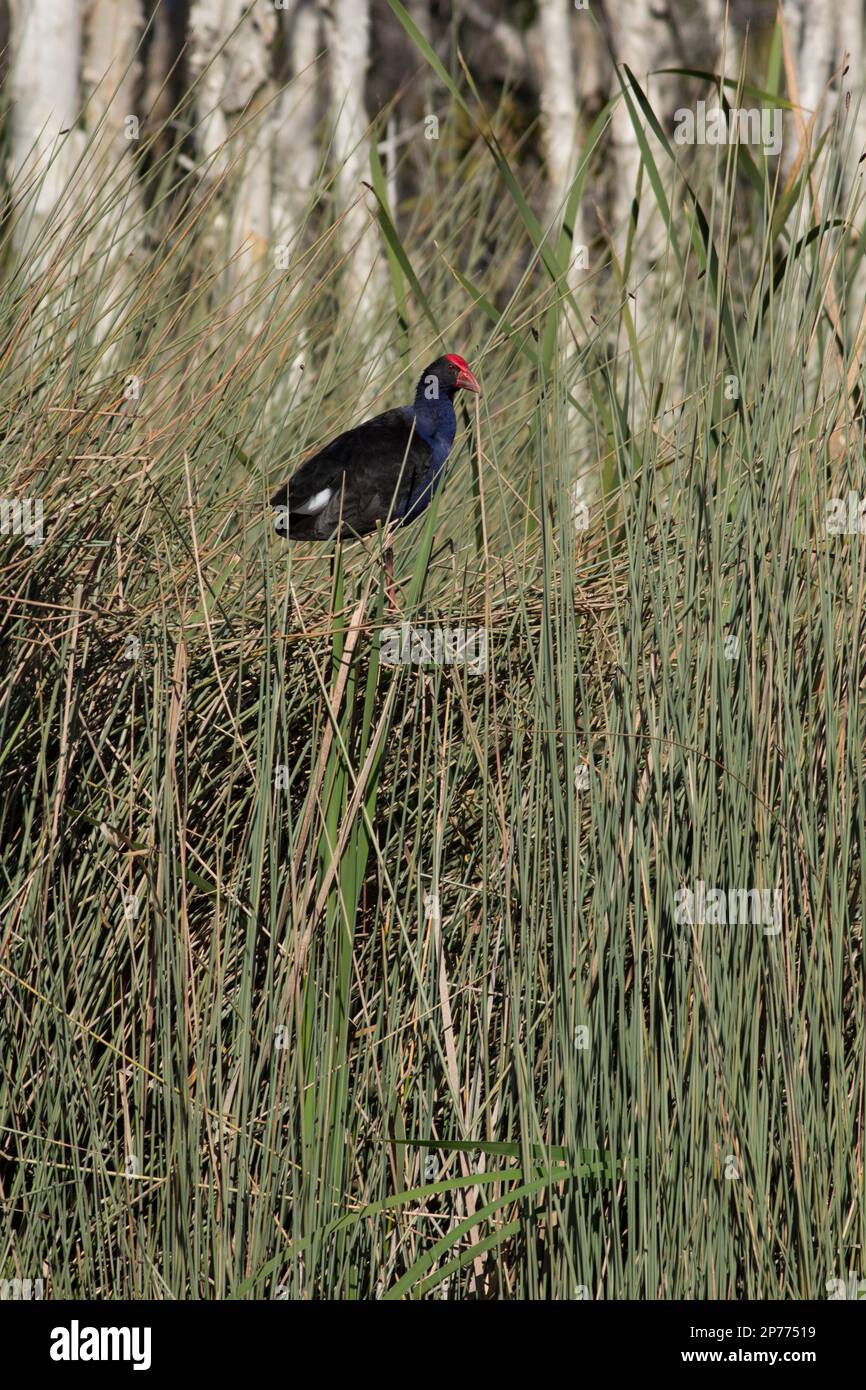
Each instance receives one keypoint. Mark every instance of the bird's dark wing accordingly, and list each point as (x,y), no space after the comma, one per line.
(362,477)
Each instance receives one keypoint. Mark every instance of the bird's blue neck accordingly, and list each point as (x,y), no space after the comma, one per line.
(436,422)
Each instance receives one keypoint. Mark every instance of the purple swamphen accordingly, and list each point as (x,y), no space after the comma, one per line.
(383,472)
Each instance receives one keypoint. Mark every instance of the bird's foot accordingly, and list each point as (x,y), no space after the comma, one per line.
(389,580)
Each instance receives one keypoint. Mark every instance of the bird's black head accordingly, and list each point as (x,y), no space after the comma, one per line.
(445,376)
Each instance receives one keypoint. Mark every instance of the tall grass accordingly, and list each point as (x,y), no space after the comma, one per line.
(328,976)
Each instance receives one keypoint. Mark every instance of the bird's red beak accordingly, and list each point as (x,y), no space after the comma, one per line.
(467,381)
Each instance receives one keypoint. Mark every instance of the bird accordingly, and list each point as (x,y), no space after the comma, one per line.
(383,472)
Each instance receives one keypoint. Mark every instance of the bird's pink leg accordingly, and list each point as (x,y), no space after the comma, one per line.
(389,579)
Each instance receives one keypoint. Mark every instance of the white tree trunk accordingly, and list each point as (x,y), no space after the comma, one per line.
(348,31)
(111,73)
(296,157)
(851,42)
(558,101)
(295,148)
(230,64)
(812,33)
(638,38)
(560,127)
(45,42)
(813,29)
(111,70)
(820,35)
